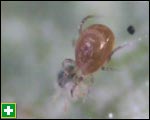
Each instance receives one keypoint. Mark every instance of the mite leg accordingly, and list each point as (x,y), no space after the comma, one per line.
(117,49)
(83,21)
(81,27)
(72,90)
(68,66)
(124,45)
(76,82)
(108,69)
(109,58)
(114,51)
(66,62)
(91,81)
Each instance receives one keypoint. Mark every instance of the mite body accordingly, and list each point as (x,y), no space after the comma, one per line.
(93,49)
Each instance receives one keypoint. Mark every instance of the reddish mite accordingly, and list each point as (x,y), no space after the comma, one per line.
(93,49)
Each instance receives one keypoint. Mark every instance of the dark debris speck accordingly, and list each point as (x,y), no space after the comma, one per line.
(131,30)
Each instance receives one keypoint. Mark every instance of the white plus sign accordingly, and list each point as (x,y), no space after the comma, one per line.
(8,110)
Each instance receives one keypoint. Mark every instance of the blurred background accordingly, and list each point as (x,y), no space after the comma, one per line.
(37,36)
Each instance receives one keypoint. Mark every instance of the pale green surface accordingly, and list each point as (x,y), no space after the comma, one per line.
(37,37)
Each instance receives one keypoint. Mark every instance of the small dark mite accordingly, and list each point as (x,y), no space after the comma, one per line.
(131,30)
